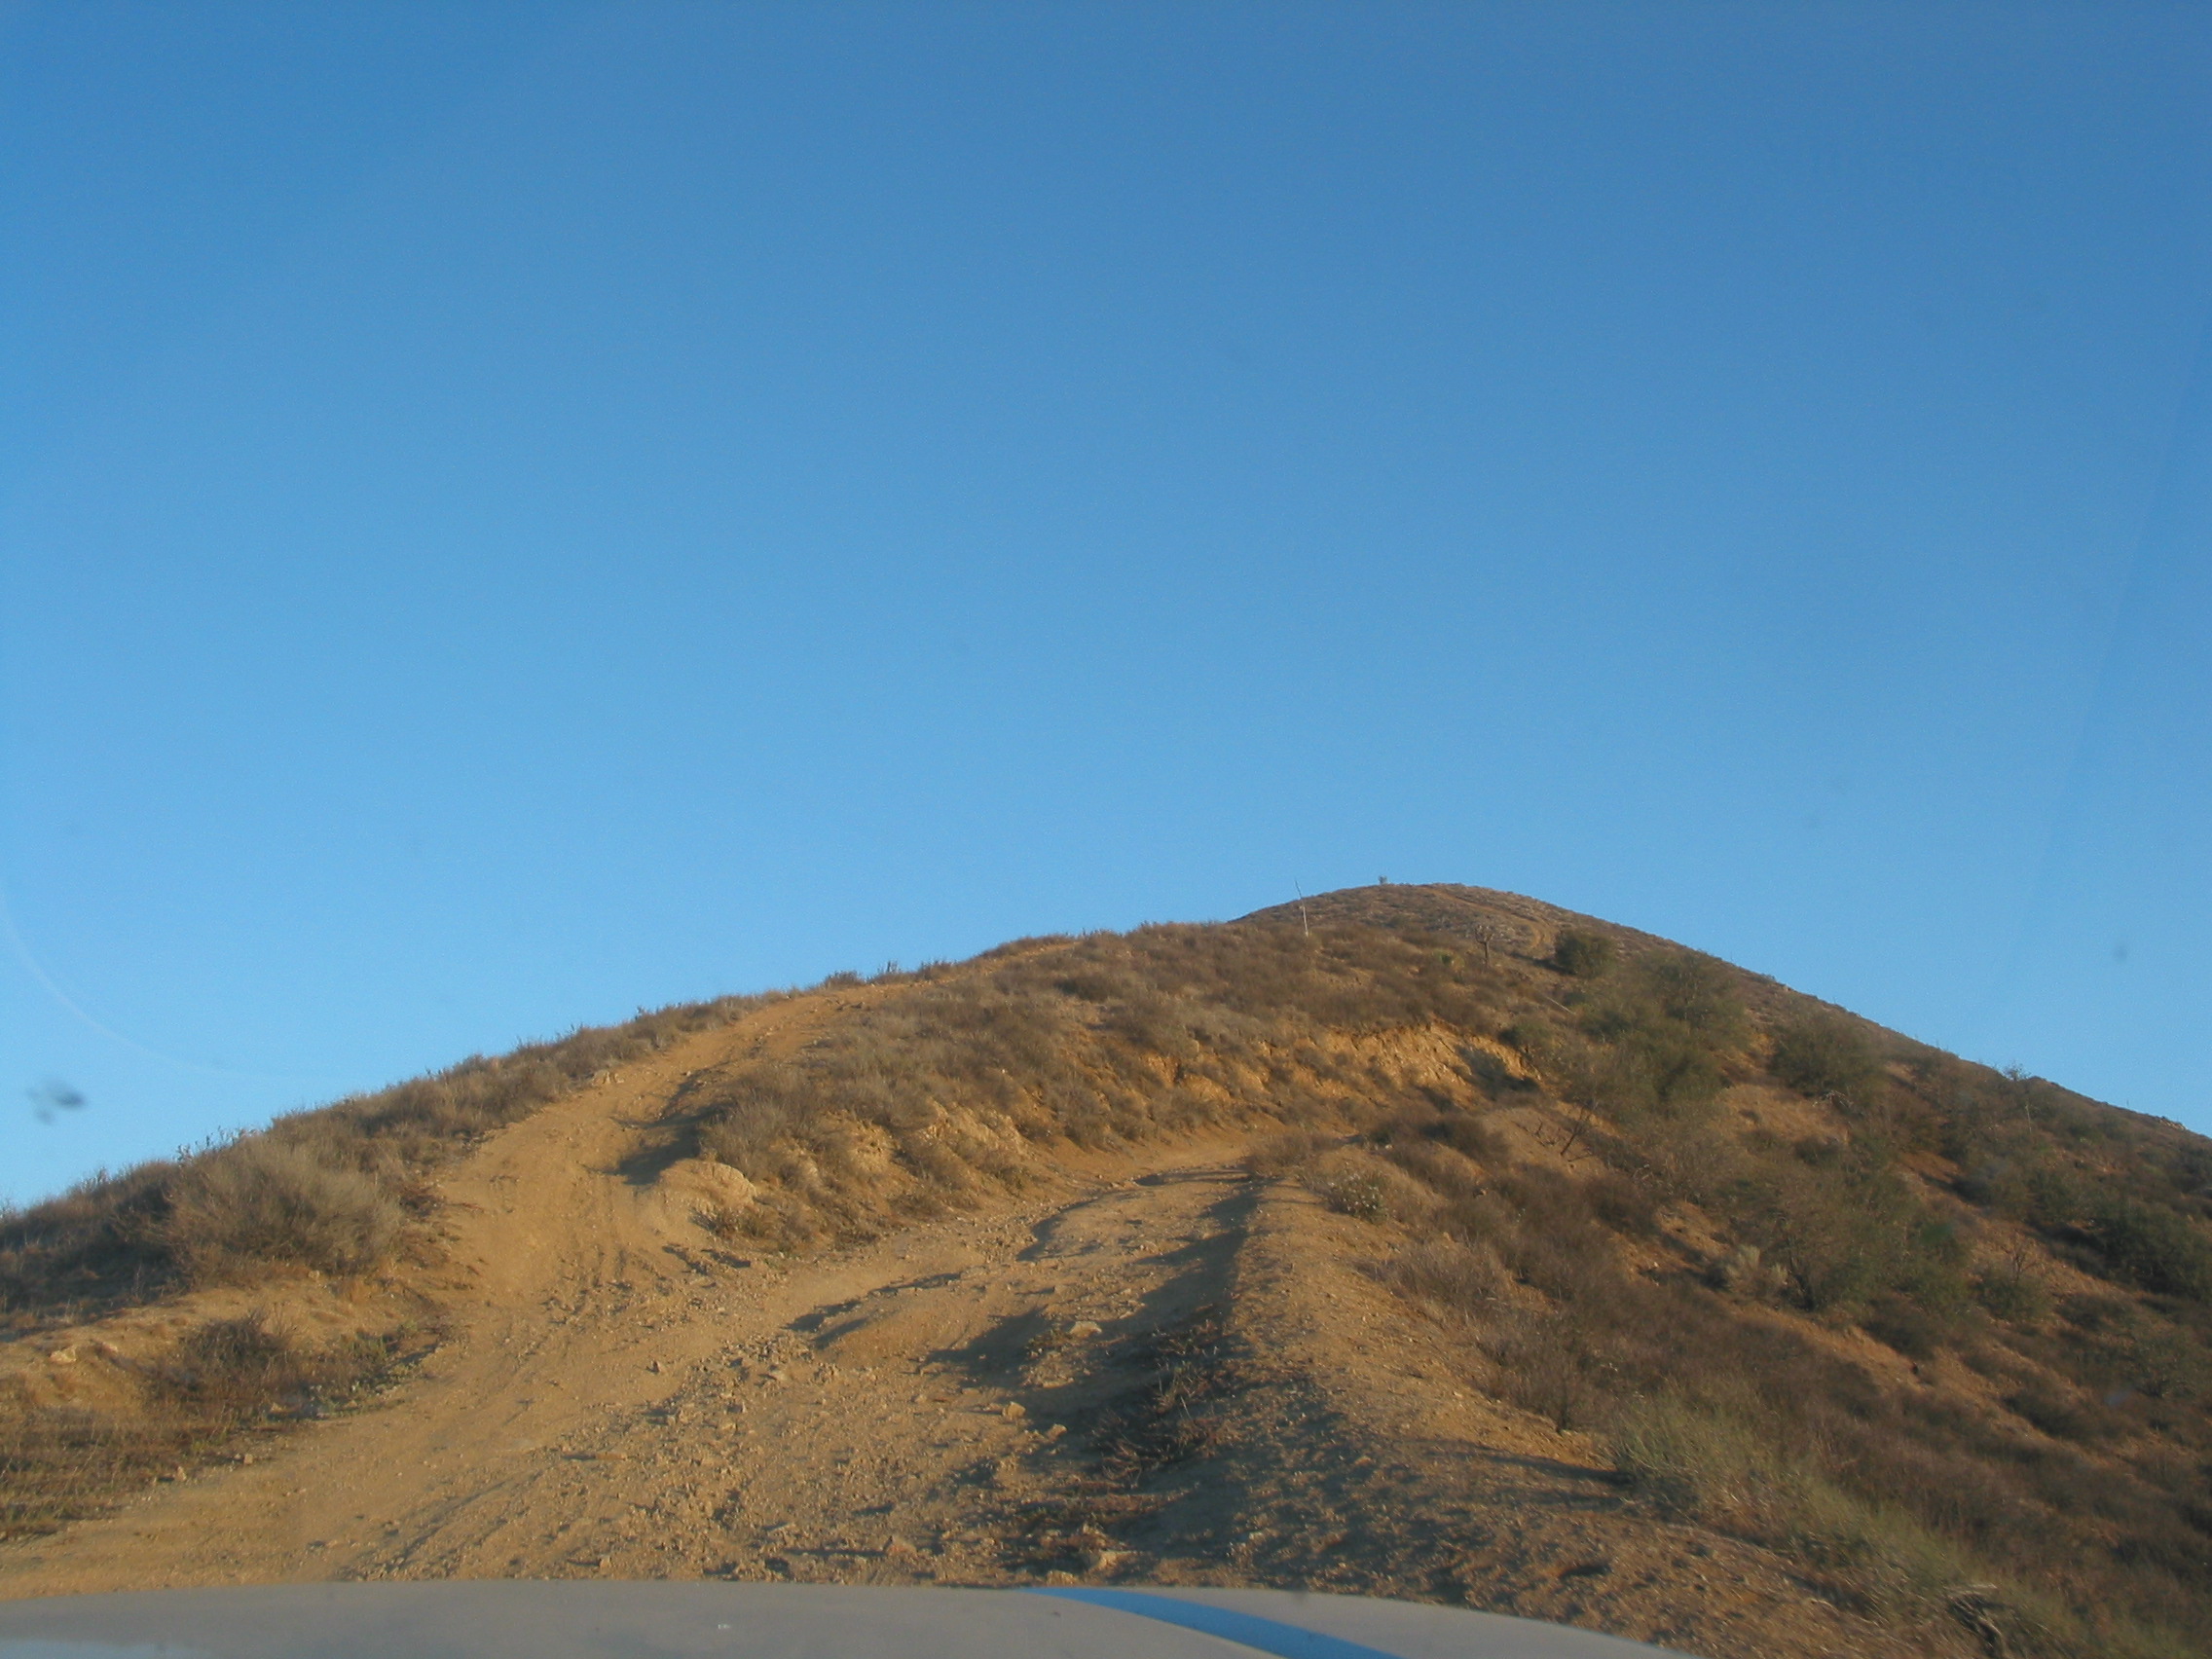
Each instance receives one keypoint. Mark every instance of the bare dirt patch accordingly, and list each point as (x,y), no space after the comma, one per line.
(1176,1374)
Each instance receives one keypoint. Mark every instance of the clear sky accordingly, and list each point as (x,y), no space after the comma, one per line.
(513,513)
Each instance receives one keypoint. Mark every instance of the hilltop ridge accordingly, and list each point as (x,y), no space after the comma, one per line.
(1427,1241)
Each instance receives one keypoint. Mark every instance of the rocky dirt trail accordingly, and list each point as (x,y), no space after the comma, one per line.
(620,1393)
(1167,1371)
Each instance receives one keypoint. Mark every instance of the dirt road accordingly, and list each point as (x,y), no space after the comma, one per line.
(622,1394)
(1165,1370)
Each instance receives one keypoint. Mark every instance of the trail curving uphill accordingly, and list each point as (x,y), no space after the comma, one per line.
(1158,1369)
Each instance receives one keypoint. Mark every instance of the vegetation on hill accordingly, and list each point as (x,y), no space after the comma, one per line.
(1941,1335)
(1920,1324)
(333,1192)
(325,1190)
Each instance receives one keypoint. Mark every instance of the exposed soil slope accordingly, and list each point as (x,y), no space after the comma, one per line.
(618,1395)
(1187,1349)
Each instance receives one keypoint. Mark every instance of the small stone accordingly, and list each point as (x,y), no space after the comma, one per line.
(62,1356)
(1055,1432)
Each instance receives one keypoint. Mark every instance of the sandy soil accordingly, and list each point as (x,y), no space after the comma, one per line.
(1163,1370)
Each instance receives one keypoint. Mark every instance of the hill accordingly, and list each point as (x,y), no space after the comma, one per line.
(1423,1240)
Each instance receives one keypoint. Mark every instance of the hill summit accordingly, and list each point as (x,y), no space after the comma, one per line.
(1420,1240)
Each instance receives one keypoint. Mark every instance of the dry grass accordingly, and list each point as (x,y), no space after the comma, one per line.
(227,1380)
(261,1200)
(2092,1532)
(958,1088)
(329,1192)
(1739,1312)
(1176,1415)
(326,1191)
(1457,1282)
(2073,1515)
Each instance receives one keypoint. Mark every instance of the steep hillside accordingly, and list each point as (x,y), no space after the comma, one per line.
(1426,1240)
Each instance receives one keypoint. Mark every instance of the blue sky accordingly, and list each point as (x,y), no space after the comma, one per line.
(510,514)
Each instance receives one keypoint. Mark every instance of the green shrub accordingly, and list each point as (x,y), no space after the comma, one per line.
(1582,955)
(2143,1244)
(2012,1296)
(1698,993)
(1662,1034)
(2153,1248)
(1824,1054)
(1848,1235)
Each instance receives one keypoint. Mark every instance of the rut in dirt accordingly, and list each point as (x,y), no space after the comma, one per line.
(929,1424)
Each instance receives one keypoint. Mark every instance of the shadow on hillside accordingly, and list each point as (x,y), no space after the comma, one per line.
(1199,1272)
(673,1136)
